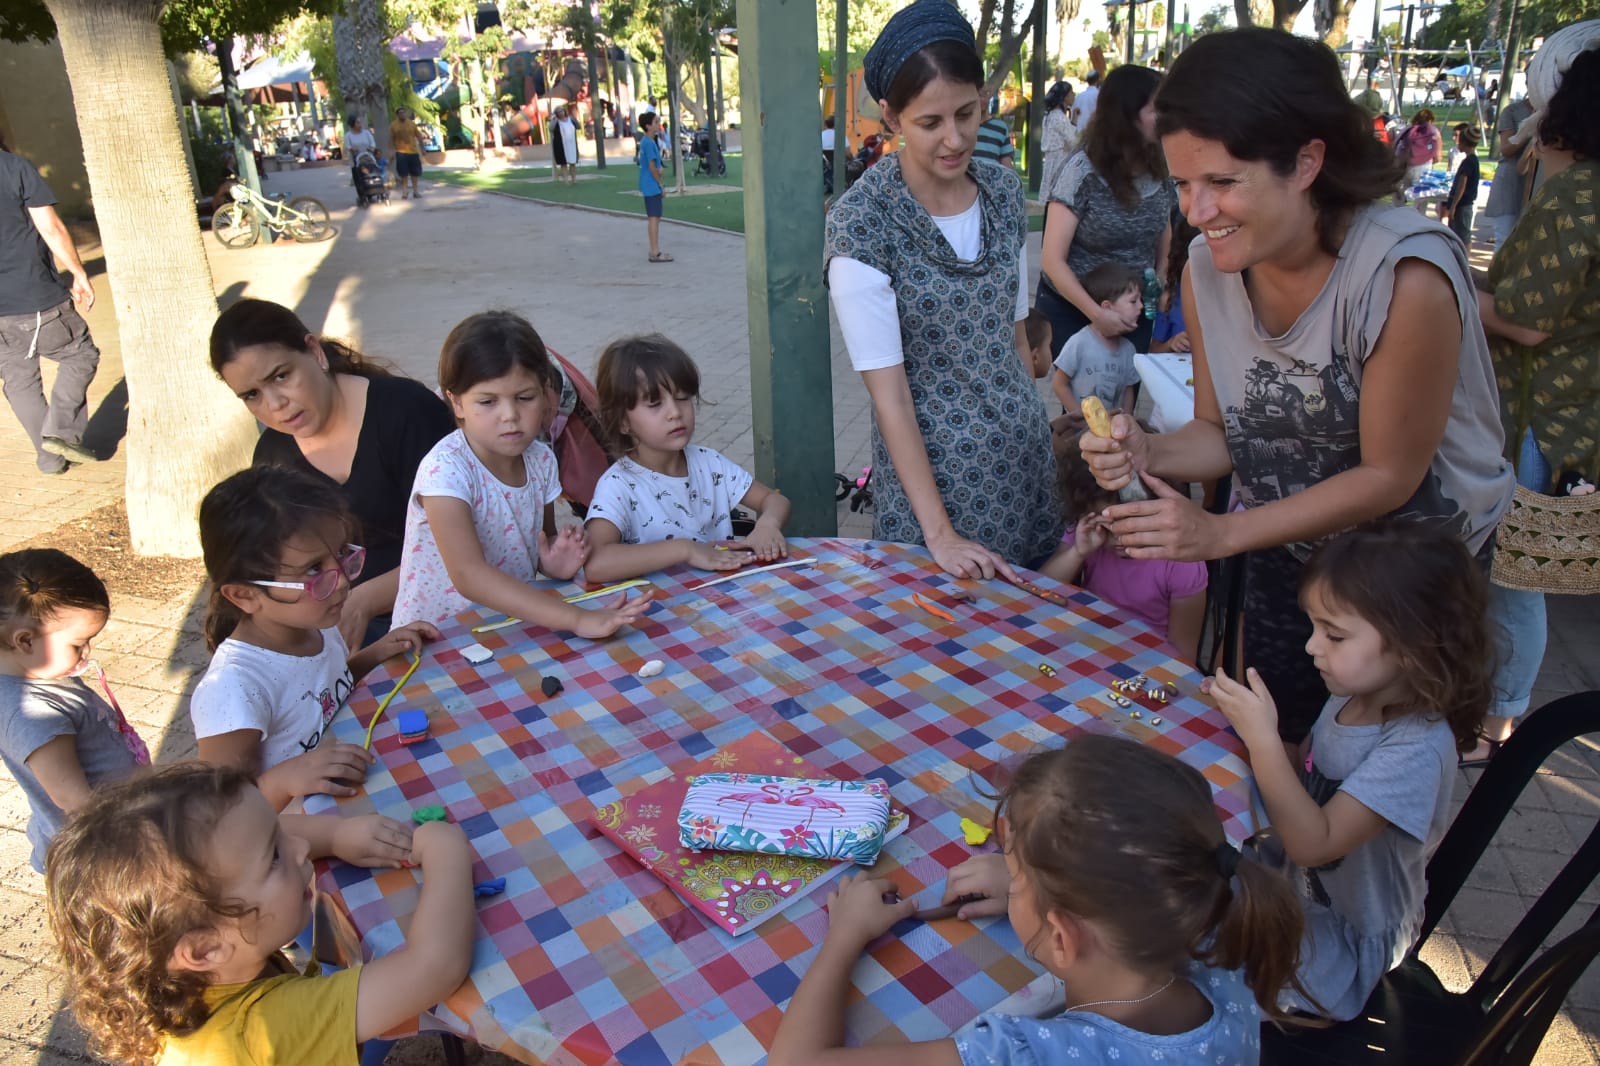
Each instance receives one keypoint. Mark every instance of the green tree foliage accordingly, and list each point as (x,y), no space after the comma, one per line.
(1467,20)
(1216,18)
(185,24)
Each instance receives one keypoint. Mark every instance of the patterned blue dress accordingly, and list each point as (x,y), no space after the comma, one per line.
(985,429)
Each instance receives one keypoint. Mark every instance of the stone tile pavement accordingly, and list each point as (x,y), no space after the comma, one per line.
(394,281)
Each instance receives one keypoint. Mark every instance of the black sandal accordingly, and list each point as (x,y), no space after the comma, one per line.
(1464,762)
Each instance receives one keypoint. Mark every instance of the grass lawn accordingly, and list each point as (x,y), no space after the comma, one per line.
(617,188)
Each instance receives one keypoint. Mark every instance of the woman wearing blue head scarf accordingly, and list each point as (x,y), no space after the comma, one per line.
(927,267)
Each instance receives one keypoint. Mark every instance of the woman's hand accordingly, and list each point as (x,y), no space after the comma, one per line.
(1179,342)
(1171,526)
(1250,710)
(1110,321)
(1115,461)
(562,556)
(373,841)
(597,625)
(961,557)
(981,875)
(857,913)
(357,613)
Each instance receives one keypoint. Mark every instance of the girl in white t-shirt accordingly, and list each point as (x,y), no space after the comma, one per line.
(668,502)
(475,523)
(278,551)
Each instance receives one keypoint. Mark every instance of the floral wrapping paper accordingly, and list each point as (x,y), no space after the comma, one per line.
(770,815)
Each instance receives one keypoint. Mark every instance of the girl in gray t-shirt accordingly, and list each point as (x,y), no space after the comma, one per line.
(58,738)
(1400,635)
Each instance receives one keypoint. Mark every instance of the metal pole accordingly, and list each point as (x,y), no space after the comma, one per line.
(1132,14)
(791,383)
(1171,17)
(717,134)
(1372,45)
(841,89)
(1405,60)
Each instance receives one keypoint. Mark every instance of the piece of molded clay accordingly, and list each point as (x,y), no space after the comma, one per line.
(476,654)
(551,685)
(974,833)
(429,814)
(492,887)
(652,668)
(412,722)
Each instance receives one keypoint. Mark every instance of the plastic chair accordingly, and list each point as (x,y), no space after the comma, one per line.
(1502,1019)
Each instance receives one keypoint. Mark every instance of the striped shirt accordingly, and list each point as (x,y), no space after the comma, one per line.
(994,141)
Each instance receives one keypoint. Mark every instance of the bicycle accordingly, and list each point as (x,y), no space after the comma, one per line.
(239,224)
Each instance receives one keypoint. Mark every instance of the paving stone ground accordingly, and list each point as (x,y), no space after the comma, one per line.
(395,280)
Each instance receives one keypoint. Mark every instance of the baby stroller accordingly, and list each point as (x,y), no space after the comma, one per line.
(371,180)
(701,148)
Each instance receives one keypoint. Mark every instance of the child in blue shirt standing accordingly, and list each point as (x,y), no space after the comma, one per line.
(650,183)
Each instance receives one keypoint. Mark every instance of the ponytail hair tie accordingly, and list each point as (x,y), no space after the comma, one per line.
(1227,857)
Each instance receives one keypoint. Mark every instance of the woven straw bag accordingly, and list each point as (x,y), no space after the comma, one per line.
(1549,544)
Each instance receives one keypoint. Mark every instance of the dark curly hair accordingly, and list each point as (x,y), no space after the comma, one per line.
(1419,587)
(1571,121)
(125,881)
(1264,95)
(1114,143)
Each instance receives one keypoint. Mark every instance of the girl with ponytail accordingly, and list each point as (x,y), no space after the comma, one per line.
(1118,880)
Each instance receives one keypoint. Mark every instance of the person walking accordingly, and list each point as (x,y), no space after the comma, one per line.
(39,318)
(358,139)
(1059,138)
(407,141)
(650,183)
(1083,107)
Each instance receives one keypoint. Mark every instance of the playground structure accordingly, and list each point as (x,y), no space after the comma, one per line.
(1458,75)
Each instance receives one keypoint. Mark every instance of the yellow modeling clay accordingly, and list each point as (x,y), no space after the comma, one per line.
(976,834)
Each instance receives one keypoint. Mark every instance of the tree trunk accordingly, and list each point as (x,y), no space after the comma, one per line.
(1284,13)
(1253,12)
(186,431)
(1010,45)
(358,45)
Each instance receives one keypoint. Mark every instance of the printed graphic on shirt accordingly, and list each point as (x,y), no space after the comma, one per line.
(329,700)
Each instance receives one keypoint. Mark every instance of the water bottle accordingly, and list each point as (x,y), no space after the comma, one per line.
(1152,292)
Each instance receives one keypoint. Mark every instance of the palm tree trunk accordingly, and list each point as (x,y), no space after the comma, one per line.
(185,430)
(358,45)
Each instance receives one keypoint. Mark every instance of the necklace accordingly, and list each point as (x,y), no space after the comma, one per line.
(1118,1002)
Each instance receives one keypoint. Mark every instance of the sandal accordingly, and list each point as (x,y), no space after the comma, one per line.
(1468,762)
(661,257)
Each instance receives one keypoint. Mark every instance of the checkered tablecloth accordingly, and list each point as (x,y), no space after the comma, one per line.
(587,957)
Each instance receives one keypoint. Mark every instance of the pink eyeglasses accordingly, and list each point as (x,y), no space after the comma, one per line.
(321,584)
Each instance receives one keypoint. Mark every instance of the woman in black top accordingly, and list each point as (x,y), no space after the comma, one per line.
(329,411)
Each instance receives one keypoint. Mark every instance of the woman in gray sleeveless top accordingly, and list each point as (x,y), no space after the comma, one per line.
(926,268)
(1341,372)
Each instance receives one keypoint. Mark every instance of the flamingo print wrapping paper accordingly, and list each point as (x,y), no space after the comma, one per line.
(735,891)
(770,815)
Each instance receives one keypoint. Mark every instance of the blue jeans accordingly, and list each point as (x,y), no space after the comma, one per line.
(1517,616)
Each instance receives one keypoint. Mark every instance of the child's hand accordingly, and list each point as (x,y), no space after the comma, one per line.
(857,912)
(327,770)
(766,540)
(440,843)
(1091,534)
(1251,711)
(563,556)
(373,841)
(981,875)
(729,556)
(1179,342)
(599,624)
(408,638)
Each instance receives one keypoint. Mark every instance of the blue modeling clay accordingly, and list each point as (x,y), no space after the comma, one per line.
(489,888)
(410,722)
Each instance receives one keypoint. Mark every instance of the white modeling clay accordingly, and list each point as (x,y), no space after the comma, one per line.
(476,654)
(652,668)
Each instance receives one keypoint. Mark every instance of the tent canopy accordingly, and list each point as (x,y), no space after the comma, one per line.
(273,71)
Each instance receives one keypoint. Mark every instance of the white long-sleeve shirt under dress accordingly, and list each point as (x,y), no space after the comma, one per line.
(942,296)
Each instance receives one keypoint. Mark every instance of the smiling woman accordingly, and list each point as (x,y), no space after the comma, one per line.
(1341,372)
(327,411)
(927,268)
